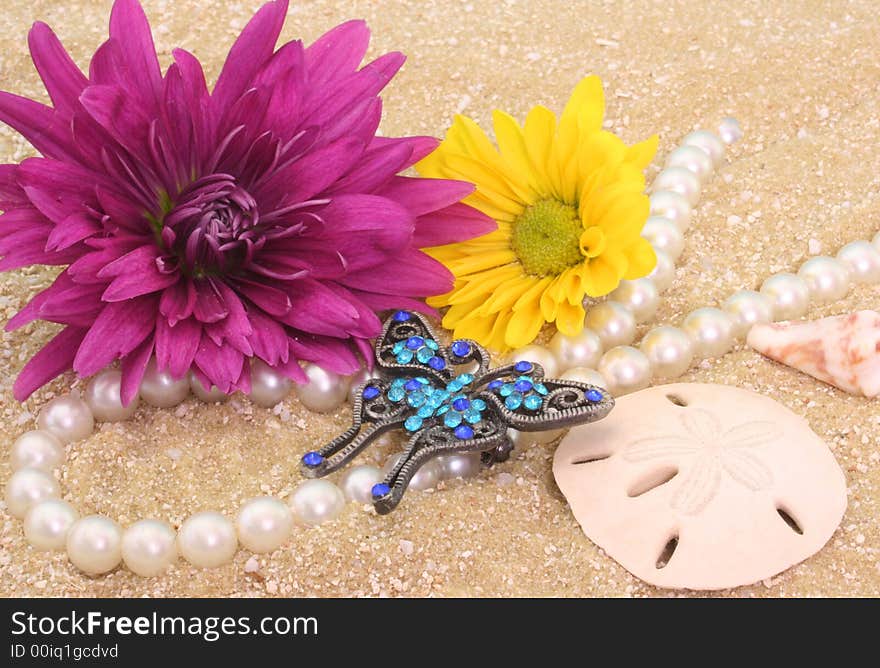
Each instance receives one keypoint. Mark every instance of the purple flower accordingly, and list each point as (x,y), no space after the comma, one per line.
(261,219)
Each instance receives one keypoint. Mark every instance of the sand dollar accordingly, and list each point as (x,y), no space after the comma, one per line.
(702,486)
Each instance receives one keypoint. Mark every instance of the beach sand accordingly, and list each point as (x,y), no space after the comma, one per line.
(804,81)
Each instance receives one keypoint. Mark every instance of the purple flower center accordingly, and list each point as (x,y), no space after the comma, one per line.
(215,225)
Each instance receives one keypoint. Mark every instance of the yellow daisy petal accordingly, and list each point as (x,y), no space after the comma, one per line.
(586,107)
(641,259)
(640,155)
(570,319)
(593,241)
(538,133)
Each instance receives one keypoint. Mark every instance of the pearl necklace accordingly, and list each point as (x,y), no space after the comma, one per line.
(96,544)
(602,353)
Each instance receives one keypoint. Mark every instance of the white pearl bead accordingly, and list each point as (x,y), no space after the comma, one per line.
(207,540)
(663,273)
(37,449)
(464,465)
(268,386)
(160,389)
(613,322)
(669,350)
(680,180)
(104,397)
(588,376)
(789,294)
(94,544)
(325,390)
(68,418)
(356,380)
(863,260)
(426,477)
(357,482)
(747,308)
(47,523)
(711,330)
(536,355)
(626,369)
(316,501)
(707,141)
(826,278)
(664,235)
(264,524)
(584,349)
(672,205)
(28,487)
(729,130)
(694,159)
(519,439)
(639,296)
(149,547)
(214,395)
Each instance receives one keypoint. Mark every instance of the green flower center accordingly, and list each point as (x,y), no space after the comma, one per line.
(546,238)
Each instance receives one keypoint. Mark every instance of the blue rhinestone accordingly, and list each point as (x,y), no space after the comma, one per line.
(478,405)
(514,401)
(312,459)
(424,354)
(370,392)
(425,411)
(461,404)
(404,357)
(401,316)
(396,394)
(416,399)
(398,382)
(452,419)
(540,389)
(593,395)
(461,348)
(533,402)
(415,342)
(472,416)
(454,386)
(437,363)
(432,344)
(412,385)
(506,389)
(423,380)
(495,384)
(463,432)
(523,367)
(413,423)
(465,378)
(442,410)
(523,385)
(400,345)
(379,490)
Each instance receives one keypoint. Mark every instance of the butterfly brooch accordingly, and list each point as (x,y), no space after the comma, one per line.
(449,401)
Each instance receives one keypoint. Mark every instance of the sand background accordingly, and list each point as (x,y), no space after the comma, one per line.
(804,80)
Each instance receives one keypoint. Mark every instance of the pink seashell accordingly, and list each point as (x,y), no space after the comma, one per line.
(842,350)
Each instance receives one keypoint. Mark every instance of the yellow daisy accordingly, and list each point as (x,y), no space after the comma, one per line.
(570,205)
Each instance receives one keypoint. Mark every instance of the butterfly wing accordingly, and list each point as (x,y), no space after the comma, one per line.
(529,402)
(433,442)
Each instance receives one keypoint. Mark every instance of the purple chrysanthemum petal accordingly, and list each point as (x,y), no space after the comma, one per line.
(176,346)
(133,367)
(264,219)
(63,79)
(51,361)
